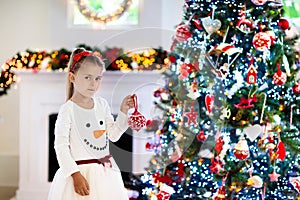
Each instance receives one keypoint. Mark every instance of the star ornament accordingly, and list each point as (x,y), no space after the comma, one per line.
(274,176)
(192,116)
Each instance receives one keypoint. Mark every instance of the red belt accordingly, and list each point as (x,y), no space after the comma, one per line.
(100,161)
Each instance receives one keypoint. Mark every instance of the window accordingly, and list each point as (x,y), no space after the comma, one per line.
(292,8)
(103,13)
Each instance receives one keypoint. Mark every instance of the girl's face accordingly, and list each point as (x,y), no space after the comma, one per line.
(87,79)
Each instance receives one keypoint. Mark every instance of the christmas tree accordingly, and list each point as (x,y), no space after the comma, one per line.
(231,105)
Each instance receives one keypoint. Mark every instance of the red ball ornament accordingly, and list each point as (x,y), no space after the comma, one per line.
(182,33)
(279,78)
(296,88)
(172,59)
(284,24)
(136,120)
(259,2)
(262,41)
(148,146)
(241,149)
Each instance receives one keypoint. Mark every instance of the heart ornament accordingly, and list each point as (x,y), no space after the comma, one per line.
(209,102)
(253,132)
(211,25)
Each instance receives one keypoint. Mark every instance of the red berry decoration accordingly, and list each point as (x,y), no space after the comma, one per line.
(201,137)
(284,24)
(279,77)
(261,41)
(136,120)
(296,88)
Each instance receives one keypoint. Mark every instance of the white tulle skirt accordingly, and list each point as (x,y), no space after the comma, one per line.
(105,184)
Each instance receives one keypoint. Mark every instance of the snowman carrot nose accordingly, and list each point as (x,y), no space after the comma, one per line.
(98,133)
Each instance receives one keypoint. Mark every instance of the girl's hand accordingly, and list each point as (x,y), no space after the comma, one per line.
(81,185)
(126,104)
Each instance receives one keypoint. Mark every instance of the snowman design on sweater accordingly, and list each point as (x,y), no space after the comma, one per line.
(92,130)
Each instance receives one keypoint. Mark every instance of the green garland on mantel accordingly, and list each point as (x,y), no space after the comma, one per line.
(115,59)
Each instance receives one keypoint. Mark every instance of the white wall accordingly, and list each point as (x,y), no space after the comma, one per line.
(42,24)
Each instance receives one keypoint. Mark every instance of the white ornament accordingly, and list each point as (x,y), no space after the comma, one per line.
(256,181)
(253,132)
(211,25)
(226,112)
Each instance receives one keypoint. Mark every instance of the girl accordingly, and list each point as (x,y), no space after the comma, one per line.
(83,128)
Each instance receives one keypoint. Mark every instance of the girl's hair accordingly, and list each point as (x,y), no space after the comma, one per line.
(77,58)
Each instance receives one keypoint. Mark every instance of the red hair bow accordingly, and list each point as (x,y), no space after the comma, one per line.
(78,56)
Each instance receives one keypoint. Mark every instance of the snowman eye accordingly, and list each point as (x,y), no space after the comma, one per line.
(88,125)
(101,122)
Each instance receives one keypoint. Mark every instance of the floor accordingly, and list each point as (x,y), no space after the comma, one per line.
(6,193)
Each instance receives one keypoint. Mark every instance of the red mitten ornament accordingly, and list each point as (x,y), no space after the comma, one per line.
(136,120)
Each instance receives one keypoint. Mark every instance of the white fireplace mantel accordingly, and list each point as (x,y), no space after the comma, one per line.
(42,93)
